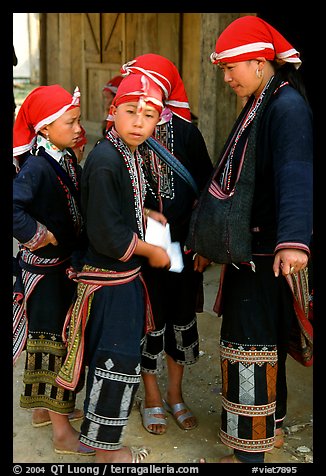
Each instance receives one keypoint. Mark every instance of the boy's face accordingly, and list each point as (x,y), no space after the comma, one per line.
(134,127)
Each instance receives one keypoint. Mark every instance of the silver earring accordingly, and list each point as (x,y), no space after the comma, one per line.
(259,74)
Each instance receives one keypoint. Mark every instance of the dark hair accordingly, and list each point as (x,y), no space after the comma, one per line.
(288,72)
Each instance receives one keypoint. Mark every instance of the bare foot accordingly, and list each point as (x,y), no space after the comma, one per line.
(229,459)
(279,438)
(69,441)
(65,437)
(41,417)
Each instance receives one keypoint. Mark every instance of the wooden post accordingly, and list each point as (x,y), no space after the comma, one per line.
(218,104)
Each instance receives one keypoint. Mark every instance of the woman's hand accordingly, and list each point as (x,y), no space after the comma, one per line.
(49,239)
(289,260)
(200,263)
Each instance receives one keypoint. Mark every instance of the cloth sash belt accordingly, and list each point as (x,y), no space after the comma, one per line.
(301,338)
(89,280)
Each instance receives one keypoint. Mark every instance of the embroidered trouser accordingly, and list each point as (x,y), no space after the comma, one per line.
(257,313)
(45,351)
(173,298)
(112,346)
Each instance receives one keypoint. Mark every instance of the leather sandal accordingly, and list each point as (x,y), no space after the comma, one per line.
(138,453)
(148,418)
(174,409)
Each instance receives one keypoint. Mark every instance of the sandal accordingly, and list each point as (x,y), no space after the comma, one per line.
(81,451)
(138,453)
(174,409)
(148,418)
(76,415)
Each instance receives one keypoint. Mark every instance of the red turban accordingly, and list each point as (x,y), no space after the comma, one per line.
(113,84)
(166,75)
(249,37)
(137,88)
(41,107)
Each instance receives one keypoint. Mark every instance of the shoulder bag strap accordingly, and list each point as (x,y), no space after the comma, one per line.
(165,155)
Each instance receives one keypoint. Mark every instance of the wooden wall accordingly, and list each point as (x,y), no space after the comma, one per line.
(86,49)
(218,105)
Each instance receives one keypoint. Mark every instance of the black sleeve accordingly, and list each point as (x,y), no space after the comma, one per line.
(106,201)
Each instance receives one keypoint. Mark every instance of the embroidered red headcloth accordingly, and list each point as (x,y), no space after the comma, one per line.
(113,84)
(166,75)
(249,37)
(42,106)
(137,88)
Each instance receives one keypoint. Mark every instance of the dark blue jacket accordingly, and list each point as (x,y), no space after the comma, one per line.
(38,196)
(283,198)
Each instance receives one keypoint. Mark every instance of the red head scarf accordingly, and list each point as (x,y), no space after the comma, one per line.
(249,37)
(137,88)
(166,75)
(113,84)
(41,107)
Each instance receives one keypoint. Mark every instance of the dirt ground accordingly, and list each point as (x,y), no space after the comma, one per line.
(202,392)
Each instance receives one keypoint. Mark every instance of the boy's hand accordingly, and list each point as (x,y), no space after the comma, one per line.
(158,258)
(155,215)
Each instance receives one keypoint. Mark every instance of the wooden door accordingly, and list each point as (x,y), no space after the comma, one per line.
(111,39)
(103,56)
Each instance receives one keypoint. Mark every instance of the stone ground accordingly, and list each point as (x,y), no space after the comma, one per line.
(202,392)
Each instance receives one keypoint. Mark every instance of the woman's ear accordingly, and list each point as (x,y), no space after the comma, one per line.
(44,131)
(262,60)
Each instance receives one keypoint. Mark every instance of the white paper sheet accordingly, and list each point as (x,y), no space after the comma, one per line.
(159,235)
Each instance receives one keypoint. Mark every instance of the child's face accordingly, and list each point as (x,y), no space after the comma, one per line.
(134,127)
(65,131)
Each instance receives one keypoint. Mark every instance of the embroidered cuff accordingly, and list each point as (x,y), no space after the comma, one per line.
(291,244)
(130,249)
(39,236)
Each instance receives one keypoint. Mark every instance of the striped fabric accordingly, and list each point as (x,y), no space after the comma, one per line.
(89,280)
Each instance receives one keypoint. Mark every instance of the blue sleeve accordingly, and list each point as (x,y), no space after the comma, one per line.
(292,140)
(24,190)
